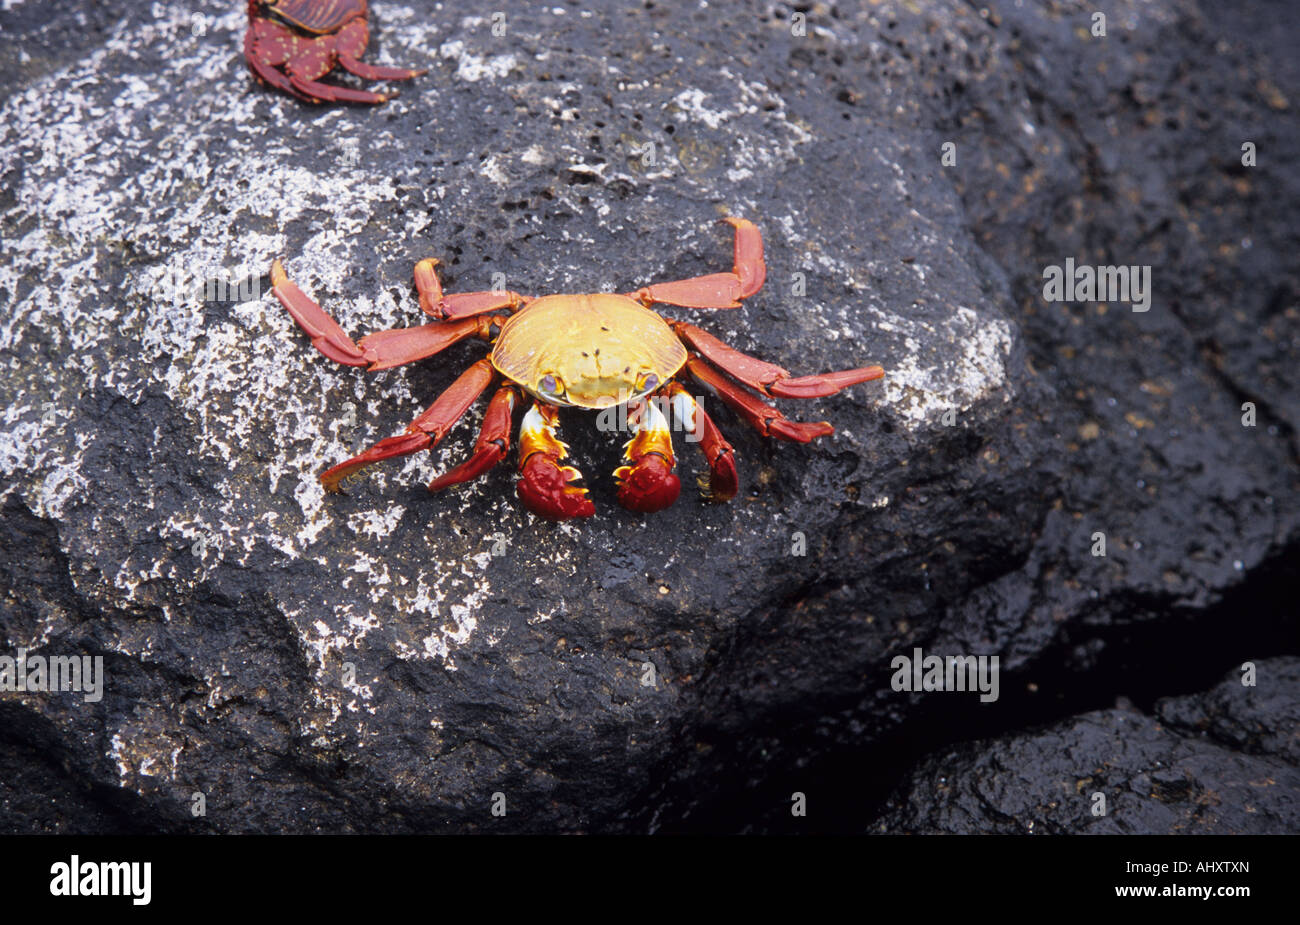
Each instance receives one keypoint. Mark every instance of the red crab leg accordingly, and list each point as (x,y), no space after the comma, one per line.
(351,41)
(492,445)
(311,60)
(406,345)
(758,414)
(723,483)
(426,431)
(769,378)
(266,47)
(717,290)
(380,350)
(324,93)
(545,487)
(648,484)
(459,304)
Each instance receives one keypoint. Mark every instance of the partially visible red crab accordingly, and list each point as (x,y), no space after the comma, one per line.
(307,38)
(589,350)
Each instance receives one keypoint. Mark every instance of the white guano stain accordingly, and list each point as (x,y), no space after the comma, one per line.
(918,393)
(100,169)
(472,67)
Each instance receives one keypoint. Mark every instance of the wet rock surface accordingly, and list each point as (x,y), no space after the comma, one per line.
(390,660)
(1222,762)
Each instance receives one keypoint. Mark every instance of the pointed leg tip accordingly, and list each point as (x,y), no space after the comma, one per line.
(800,431)
(724,483)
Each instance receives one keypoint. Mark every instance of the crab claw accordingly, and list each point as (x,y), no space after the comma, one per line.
(648,485)
(545,487)
(548,491)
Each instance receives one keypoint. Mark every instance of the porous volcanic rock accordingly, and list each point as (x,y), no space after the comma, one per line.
(390,660)
(1222,762)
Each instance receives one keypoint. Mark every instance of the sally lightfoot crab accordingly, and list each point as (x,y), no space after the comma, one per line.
(592,351)
(307,38)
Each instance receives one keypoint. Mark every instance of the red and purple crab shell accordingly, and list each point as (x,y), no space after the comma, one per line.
(292,44)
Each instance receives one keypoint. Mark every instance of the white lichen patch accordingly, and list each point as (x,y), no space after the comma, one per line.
(472,67)
(449,601)
(376,525)
(140,751)
(920,393)
(691,105)
(952,365)
(177,197)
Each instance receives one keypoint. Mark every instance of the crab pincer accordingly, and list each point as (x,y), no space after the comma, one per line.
(545,487)
(648,484)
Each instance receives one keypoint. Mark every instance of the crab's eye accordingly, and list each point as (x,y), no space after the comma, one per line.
(549,386)
(648,381)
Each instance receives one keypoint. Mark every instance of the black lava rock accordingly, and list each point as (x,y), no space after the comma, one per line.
(1222,762)
(276,659)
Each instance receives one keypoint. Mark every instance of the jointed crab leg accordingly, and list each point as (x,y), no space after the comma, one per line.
(769,378)
(426,431)
(267,46)
(763,417)
(459,304)
(380,350)
(326,335)
(312,60)
(351,43)
(492,445)
(545,487)
(717,290)
(648,484)
(723,482)
(406,345)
